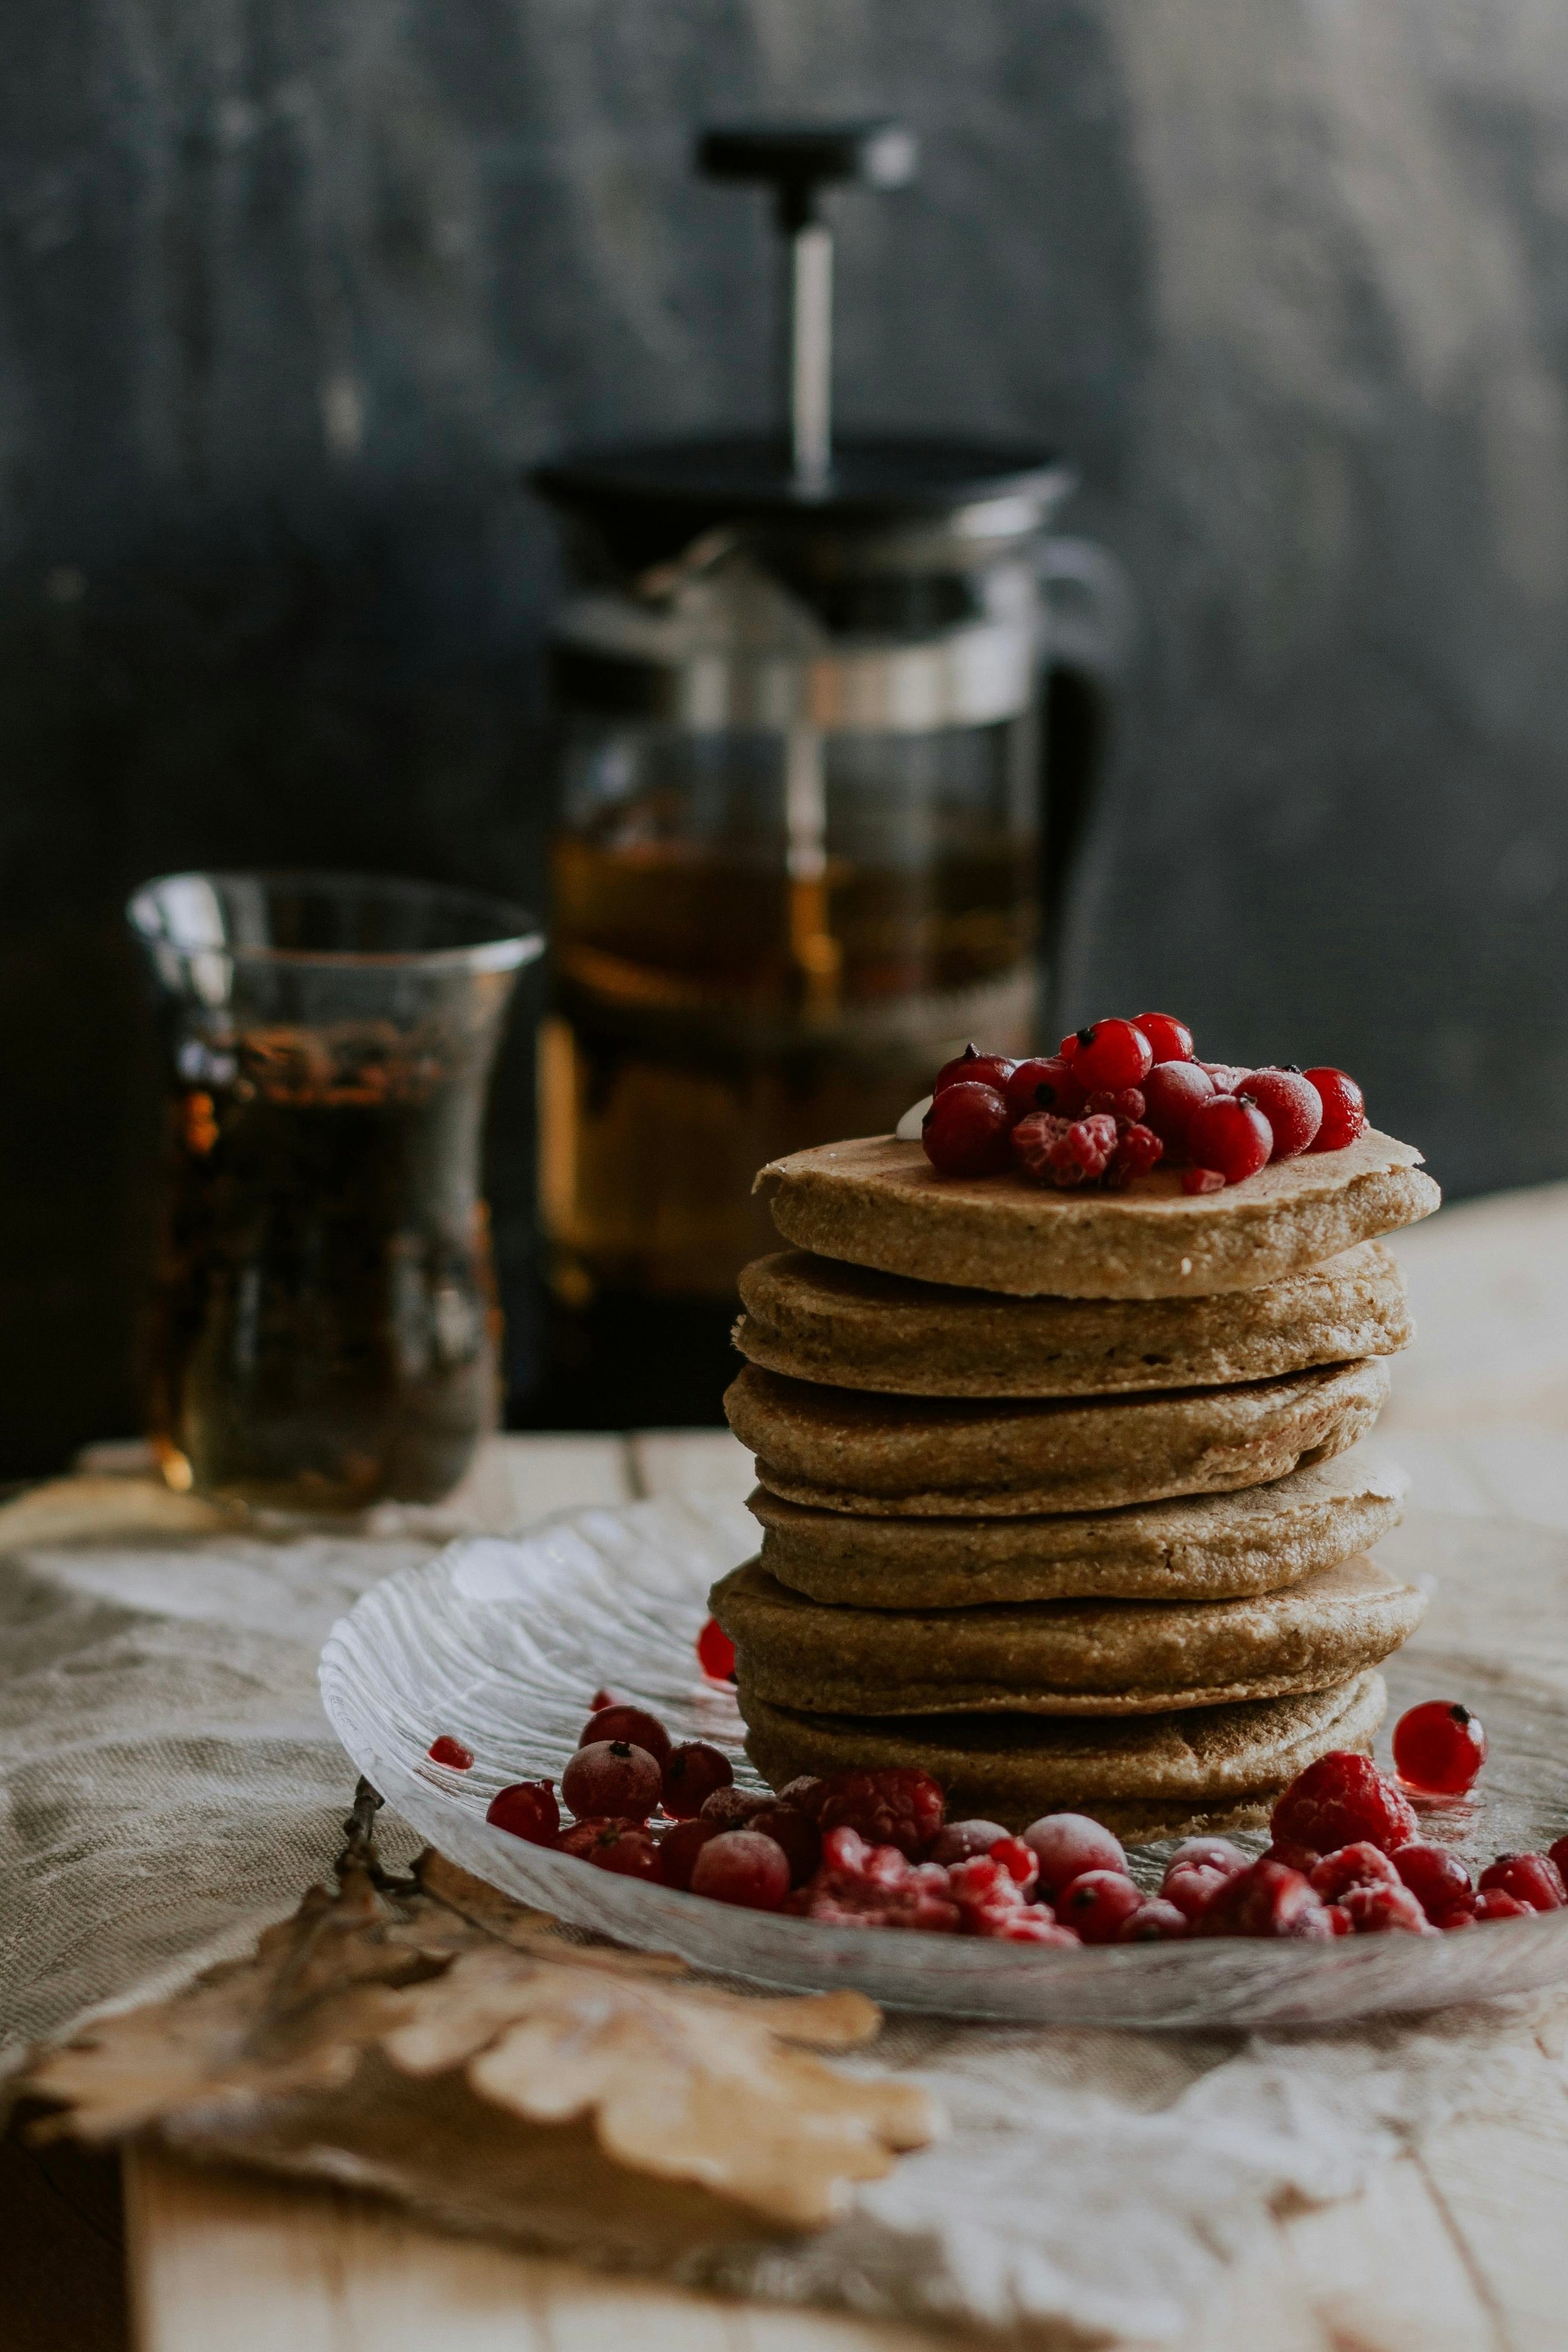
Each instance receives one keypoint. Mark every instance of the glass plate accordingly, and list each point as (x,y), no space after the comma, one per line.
(501,1641)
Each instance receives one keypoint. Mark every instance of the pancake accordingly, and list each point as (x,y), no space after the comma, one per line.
(1144,1775)
(1198,1548)
(879,1203)
(844,1450)
(851,1327)
(1072,1657)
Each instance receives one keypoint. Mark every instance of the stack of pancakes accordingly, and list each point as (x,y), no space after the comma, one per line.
(1059,1491)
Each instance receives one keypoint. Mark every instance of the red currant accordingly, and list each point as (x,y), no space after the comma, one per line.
(1192,1887)
(1065,1845)
(625,1847)
(799,1838)
(1492,1902)
(966,1132)
(1439,1747)
(1170,1040)
(612,1780)
(1111,1055)
(1344,1110)
(1437,1879)
(527,1810)
(1267,1899)
(971,1067)
(960,1840)
(715,1654)
(1353,1865)
(692,1772)
(1157,1921)
(742,1867)
(1202,1179)
(1229,1135)
(452,1752)
(1292,1105)
(1340,1799)
(1172,1092)
(1533,1878)
(633,1723)
(1044,1082)
(1098,1903)
(680,1847)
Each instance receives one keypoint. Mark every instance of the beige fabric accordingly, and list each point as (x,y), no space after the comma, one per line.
(879,1202)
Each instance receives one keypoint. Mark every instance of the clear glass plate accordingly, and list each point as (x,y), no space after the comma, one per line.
(501,1641)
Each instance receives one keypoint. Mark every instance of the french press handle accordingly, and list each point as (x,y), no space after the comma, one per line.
(798,160)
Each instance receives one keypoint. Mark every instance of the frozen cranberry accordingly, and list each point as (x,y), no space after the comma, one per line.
(612,1779)
(1437,1879)
(624,1847)
(1353,1865)
(1533,1878)
(858,1884)
(1292,1105)
(1095,1904)
(971,1067)
(633,1723)
(1229,1134)
(897,1805)
(1065,1845)
(1111,1053)
(1375,1910)
(1439,1747)
(1344,1111)
(680,1847)
(1137,1150)
(691,1773)
(966,1132)
(1124,1106)
(799,1838)
(742,1867)
(1170,1040)
(527,1810)
(1044,1082)
(732,1808)
(1157,1921)
(1209,1853)
(1494,1902)
(450,1752)
(1267,1899)
(1062,1152)
(716,1652)
(959,1839)
(1340,1799)
(1172,1092)
(1202,1179)
(1192,1886)
(1020,1862)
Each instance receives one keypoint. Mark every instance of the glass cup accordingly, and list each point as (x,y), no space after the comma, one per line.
(325,1333)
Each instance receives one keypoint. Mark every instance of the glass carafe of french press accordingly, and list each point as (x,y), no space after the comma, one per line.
(796,863)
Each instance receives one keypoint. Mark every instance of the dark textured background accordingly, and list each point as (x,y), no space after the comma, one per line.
(292,290)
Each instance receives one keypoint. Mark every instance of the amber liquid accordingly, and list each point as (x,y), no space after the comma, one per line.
(323,1329)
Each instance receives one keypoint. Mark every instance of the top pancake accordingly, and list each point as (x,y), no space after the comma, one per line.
(879,1202)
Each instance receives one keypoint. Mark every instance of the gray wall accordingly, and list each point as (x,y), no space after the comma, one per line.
(292,290)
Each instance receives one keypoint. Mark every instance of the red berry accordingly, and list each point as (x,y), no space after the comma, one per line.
(966,1132)
(1110,1055)
(1202,1179)
(1375,1910)
(715,1652)
(1128,1105)
(692,1772)
(1170,1040)
(1065,1152)
(1172,1092)
(1339,1920)
(1032,1923)
(625,1847)
(1192,1886)
(1267,1899)
(1229,1134)
(1344,1111)
(1353,1865)
(1065,1845)
(732,1808)
(680,1847)
(1228,1078)
(1137,1150)
(618,1721)
(988,1896)
(1292,1105)
(1020,1862)
(1437,1879)
(1209,1853)
(1533,1878)
(1448,1920)
(602,1698)
(1439,1747)
(1158,1921)
(971,1067)
(741,1867)
(858,1885)
(611,1780)
(799,1837)
(899,1805)
(1294,1856)
(527,1810)
(1095,1903)
(1339,1800)
(1492,1902)
(1043,1082)
(959,1839)
(452,1752)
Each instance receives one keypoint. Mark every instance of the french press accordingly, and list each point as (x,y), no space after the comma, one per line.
(797,858)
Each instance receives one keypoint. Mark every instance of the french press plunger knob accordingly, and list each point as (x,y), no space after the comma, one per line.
(798,160)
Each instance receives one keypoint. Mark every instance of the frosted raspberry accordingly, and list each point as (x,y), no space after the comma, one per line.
(1126,1105)
(1533,1878)
(899,1805)
(1341,1800)
(1062,1152)
(1339,1920)
(1353,1866)
(1373,1910)
(861,1885)
(1294,1856)
(1267,1899)
(1020,1862)
(1138,1148)
(987,1894)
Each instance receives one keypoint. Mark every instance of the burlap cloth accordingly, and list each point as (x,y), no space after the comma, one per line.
(169,1784)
